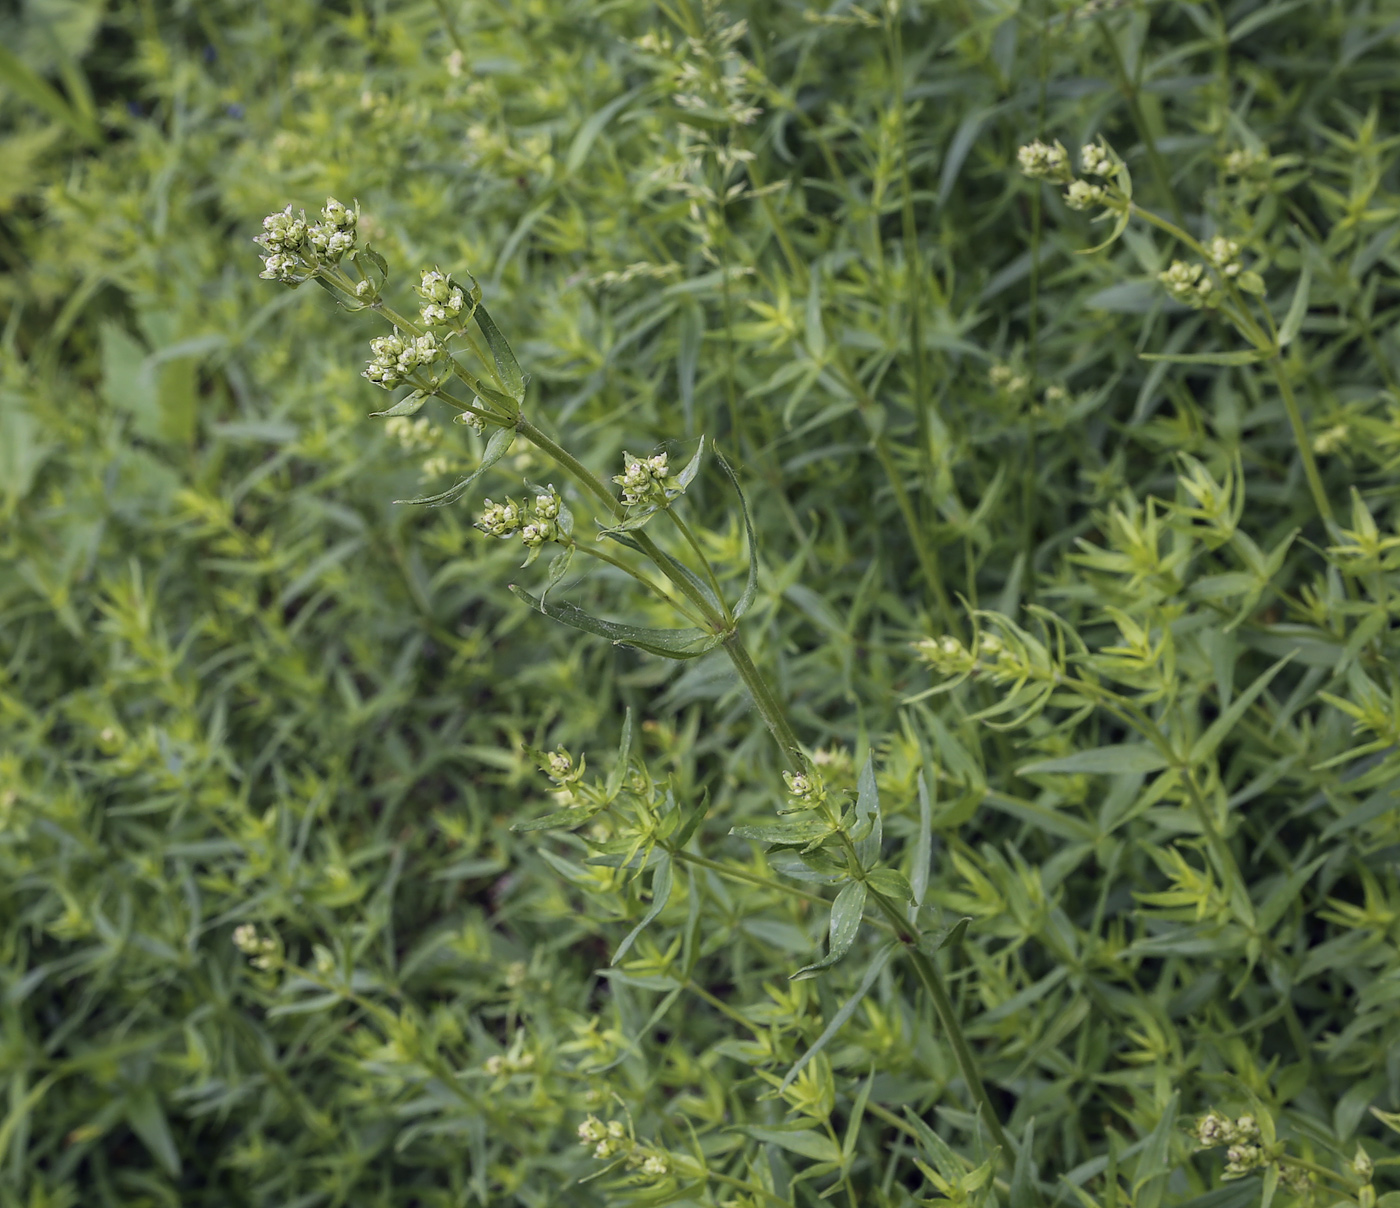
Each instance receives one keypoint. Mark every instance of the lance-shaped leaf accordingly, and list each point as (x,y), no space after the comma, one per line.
(686,643)
(751,586)
(867,833)
(410,404)
(661,882)
(496,448)
(506,365)
(784,830)
(846,913)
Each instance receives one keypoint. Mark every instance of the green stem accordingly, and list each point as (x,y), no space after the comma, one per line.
(1300,438)
(767,704)
(943,1006)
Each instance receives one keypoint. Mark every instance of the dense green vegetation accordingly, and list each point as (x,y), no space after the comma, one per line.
(1037,367)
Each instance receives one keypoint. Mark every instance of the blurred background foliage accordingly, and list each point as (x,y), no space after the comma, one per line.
(239,685)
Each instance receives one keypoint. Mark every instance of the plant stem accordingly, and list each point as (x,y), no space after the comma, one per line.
(943,1006)
(767,704)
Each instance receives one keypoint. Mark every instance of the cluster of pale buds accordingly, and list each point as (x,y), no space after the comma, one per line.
(610,1140)
(258,948)
(298,249)
(505,1064)
(1225,255)
(946,655)
(805,789)
(397,356)
(1042,162)
(1188,283)
(443,298)
(1050,163)
(644,479)
(537,527)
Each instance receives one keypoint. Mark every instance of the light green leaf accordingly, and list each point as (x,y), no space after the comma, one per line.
(506,364)
(1297,309)
(661,882)
(787,830)
(1243,356)
(751,585)
(806,1142)
(890,884)
(1126,758)
(867,833)
(687,643)
(1204,747)
(846,914)
(147,1119)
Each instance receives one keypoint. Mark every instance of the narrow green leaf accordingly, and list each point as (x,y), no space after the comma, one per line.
(1297,309)
(496,448)
(1243,356)
(661,882)
(751,586)
(558,568)
(847,1009)
(785,830)
(668,643)
(867,833)
(147,1119)
(891,884)
(1101,761)
(558,820)
(1204,747)
(1025,1181)
(848,1146)
(590,129)
(923,839)
(410,404)
(805,1142)
(937,1150)
(506,364)
(816,332)
(846,914)
(622,764)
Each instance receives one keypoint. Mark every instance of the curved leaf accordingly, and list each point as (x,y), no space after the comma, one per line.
(669,643)
(750,587)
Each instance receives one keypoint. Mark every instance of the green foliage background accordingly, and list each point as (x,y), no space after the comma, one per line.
(239,685)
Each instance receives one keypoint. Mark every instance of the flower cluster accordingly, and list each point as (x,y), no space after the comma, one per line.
(1041,162)
(1051,163)
(1005,379)
(1245,1153)
(504,1064)
(259,948)
(1194,285)
(397,356)
(1001,662)
(559,766)
(611,1140)
(298,249)
(537,527)
(805,790)
(946,655)
(1189,283)
(443,298)
(645,479)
